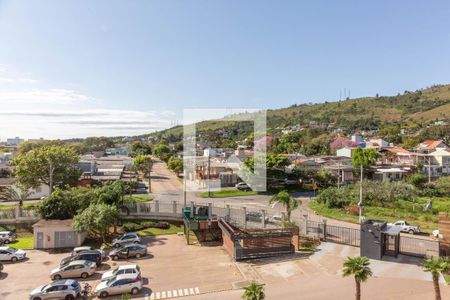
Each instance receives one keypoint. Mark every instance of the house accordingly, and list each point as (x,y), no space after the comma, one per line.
(439,162)
(14,141)
(397,156)
(50,234)
(345,152)
(429,146)
(388,173)
(342,142)
(377,144)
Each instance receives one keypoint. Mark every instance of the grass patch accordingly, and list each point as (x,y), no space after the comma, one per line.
(13,206)
(227,193)
(25,240)
(405,210)
(156,231)
(138,198)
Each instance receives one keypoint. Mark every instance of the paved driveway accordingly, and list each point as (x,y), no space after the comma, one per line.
(170,267)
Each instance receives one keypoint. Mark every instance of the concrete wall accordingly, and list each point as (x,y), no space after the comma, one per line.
(49,236)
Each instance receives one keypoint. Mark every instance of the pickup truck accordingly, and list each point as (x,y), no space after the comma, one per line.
(405,227)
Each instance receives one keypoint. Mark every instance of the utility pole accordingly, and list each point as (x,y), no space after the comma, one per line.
(339,174)
(429,169)
(360,204)
(209,175)
(150,165)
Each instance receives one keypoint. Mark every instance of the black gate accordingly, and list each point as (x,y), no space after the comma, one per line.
(343,235)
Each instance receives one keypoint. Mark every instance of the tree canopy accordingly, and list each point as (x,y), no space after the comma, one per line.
(96,219)
(49,165)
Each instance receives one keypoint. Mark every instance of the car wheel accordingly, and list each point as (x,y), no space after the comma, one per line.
(136,242)
(84,275)
(411,231)
(37,298)
(134,291)
(13,259)
(57,277)
(103,294)
(69,297)
(138,255)
(115,257)
(7,242)
(116,245)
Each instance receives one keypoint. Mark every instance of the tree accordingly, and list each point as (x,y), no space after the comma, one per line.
(254,291)
(417,180)
(363,158)
(176,165)
(287,201)
(49,165)
(359,268)
(162,151)
(139,148)
(57,206)
(96,219)
(144,163)
(436,266)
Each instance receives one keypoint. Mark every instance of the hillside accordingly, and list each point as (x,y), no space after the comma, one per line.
(408,110)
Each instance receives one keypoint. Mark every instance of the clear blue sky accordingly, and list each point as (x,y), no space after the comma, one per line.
(154,58)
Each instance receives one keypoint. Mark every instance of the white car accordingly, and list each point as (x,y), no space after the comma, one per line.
(11,254)
(243,186)
(126,238)
(277,219)
(405,227)
(7,237)
(120,284)
(125,269)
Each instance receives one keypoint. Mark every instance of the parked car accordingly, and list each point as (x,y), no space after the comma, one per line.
(91,255)
(120,284)
(243,186)
(405,227)
(129,250)
(254,216)
(437,234)
(1,267)
(11,253)
(77,268)
(78,250)
(129,237)
(277,219)
(67,289)
(125,269)
(7,237)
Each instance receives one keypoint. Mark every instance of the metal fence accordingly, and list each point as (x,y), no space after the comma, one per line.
(342,235)
(418,247)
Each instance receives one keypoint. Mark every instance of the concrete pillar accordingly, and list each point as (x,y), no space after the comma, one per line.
(305,222)
(244,212)
(263,219)
(157,206)
(209,211)
(228,216)
(192,209)
(17,212)
(324,230)
(174,203)
(138,208)
(283,216)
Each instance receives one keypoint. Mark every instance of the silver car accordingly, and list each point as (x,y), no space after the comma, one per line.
(61,289)
(80,249)
(120,284)
(126,238)
(76,268)
(11,254)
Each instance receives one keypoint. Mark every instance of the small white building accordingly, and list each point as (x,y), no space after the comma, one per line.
(49,234)
(345,152)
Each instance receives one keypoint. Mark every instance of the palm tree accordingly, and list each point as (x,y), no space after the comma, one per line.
(363,158)
(359,268)
(436,266)
(254,292)
(12,194)
(287,201)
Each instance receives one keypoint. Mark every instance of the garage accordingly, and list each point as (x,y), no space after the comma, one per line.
(50,234)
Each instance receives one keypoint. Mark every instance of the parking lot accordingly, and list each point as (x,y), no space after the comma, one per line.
(170,266)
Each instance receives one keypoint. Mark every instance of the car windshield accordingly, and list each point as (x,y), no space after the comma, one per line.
(110,281)
(12,249)
(115,271)
(45,286)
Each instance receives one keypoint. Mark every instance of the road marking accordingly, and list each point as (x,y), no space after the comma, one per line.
(174,293)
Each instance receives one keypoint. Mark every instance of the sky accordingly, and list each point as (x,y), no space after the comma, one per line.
(90,68)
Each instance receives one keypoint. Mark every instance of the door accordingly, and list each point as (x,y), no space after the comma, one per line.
(64,239)
(4,255)
(40,240)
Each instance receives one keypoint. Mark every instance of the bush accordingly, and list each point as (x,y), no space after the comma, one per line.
(417,180)
(136,226)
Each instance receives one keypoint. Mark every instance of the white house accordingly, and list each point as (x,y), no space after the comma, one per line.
(440,162)
(345,152)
